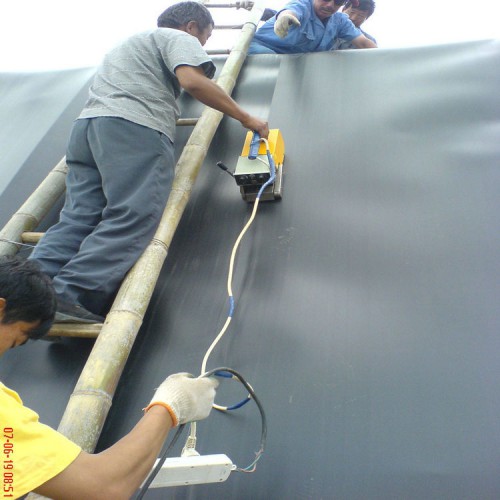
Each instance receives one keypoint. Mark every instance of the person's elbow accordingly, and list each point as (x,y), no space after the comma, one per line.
(193,87)
(191,80)
(362,42)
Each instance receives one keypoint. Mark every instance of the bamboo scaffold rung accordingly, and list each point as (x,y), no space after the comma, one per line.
(187,122)
(222,5)
(76,330)
(31,237)
(228,26)
(218,52)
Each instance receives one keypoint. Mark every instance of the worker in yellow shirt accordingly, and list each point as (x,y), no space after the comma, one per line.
(38,458)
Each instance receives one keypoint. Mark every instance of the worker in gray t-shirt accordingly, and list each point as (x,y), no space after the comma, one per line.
(121,158)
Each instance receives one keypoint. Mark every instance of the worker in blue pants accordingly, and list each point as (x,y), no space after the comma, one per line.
(121,158)
(103,226)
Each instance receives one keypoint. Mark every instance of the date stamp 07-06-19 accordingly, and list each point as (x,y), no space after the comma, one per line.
(8,462)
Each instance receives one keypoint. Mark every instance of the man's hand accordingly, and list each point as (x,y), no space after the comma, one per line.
(256,125)
(285,20)
(186,398)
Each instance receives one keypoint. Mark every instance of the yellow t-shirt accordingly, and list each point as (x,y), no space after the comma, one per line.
(31,453)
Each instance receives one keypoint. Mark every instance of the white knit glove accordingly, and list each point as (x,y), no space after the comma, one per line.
(284,22)
(186,398)
(244,4)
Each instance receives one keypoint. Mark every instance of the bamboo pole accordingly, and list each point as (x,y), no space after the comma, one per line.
(77,330)
(34,209)
(89,404)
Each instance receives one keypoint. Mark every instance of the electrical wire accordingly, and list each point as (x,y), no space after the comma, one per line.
(145,486)
(17,243)
(221,372)
(226,373)
(234,251)
(189,448)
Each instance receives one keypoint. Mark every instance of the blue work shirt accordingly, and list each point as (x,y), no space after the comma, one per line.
(341,44)
(311,36)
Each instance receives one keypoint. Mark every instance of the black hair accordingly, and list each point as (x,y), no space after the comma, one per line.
(179,14)
(364,5)
(28,293)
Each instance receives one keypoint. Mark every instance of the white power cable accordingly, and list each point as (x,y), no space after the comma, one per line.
(189,447)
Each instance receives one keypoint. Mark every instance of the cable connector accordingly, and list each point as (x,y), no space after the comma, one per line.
(226,169)
(189,449)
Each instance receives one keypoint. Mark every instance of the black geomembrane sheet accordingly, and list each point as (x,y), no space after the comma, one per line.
(367,316)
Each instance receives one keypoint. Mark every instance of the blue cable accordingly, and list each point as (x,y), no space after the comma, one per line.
(238,405)
(273,174)
(225,374)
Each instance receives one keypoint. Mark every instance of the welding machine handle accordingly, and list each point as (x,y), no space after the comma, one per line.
(254,146)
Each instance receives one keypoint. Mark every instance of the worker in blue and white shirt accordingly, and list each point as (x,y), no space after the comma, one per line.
(307,26)
(358,15)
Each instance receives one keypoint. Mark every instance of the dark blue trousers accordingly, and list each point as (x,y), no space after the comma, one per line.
(120,176)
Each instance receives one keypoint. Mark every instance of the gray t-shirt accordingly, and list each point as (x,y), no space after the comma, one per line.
(136,80)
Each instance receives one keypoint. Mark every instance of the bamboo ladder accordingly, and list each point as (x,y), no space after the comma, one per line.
(91,399)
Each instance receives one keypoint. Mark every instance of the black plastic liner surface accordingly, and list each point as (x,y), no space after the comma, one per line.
(367,315)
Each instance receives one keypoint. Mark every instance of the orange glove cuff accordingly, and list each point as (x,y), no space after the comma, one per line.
(173,416)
